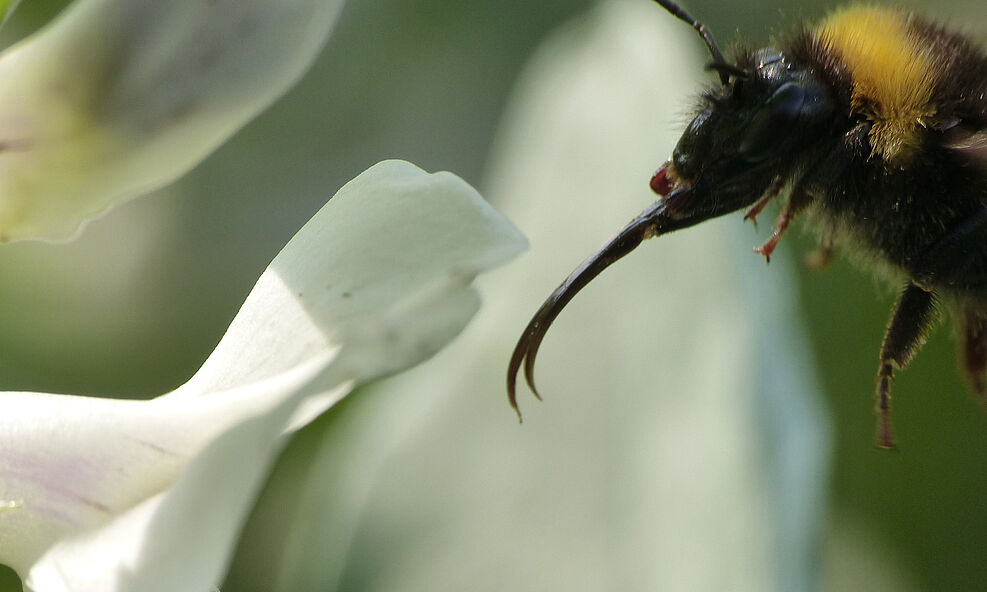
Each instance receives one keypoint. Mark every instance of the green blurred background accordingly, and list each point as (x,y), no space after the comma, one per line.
(134,305)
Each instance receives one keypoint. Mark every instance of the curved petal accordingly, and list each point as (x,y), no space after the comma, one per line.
(134,495)
(339,281)
(118,97)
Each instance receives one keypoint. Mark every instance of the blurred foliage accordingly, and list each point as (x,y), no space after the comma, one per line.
(426,80)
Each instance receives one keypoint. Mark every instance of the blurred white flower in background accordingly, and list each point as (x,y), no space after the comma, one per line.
(109,495)
(117,97)
(681,445)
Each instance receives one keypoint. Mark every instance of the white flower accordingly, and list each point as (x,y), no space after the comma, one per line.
(109,495)
(117,97)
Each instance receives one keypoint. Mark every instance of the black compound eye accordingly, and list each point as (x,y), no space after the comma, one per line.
(773,124)
(685,151)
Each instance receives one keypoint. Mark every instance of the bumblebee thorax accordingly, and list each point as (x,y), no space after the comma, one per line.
(892,73)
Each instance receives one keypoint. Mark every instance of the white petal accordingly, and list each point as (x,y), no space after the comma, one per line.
(143,496)
(117,97)
(76,464)
(181,539)
(339,281)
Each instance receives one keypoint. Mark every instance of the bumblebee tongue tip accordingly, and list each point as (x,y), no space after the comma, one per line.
(512,398)
(645,226)
(512,394)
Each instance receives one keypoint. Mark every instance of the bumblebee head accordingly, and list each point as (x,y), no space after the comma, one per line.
(748,131)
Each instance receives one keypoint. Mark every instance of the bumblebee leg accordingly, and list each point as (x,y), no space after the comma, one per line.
(910,323)
(756,209)
(821,257)
(973,351)
(781,224)
(797,201)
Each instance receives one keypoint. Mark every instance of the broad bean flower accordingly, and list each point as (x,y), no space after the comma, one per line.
(107,495)
(111,100)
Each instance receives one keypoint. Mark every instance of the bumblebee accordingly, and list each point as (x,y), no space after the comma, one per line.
(875,121)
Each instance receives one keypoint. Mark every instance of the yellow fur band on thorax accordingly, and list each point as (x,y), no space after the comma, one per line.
(892,76)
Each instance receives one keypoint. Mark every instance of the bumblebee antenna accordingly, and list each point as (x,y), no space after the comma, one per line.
(679,13)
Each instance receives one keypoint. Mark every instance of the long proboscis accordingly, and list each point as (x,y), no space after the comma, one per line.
(646,225)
